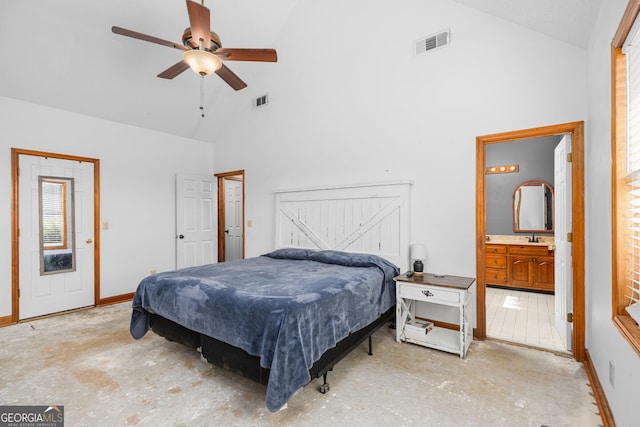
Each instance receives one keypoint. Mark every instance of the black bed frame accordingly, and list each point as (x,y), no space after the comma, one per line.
(235,359)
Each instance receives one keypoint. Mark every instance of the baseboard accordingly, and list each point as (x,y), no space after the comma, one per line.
(440,324)
(598,392)
(116,299)
(5,321)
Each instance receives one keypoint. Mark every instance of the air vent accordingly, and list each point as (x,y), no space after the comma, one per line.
(261,101)
(432,42)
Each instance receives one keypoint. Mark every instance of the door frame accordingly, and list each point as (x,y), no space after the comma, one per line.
(233,175)
(15,226)
(576,129)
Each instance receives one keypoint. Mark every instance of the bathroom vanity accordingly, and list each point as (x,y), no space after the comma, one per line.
(512,261)
(525,259)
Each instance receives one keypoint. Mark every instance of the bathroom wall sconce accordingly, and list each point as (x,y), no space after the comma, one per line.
(492,170)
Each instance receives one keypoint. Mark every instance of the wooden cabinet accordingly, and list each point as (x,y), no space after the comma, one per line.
(530,267)
(520,266)
(495,271)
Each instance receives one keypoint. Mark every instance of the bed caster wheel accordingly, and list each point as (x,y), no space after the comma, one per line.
(324,388)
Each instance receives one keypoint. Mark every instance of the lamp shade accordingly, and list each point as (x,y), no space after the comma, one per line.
(202,62)
(418,251)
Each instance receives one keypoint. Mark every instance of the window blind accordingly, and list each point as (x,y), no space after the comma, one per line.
(631,49)
(53,223)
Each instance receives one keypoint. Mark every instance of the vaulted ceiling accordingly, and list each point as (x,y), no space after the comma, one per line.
(63,54)
(567,20)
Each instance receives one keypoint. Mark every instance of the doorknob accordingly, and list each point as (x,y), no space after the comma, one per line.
(226,231)
(89,240)
(181,236)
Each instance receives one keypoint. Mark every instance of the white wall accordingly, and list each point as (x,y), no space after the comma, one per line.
(350,103)
(603,340)
(137,193)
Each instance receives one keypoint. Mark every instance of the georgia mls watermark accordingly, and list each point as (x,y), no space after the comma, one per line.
(31,416)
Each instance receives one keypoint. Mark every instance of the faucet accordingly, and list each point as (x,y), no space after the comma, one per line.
(533,238)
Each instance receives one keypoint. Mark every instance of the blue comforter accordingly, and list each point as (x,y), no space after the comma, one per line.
(287,307)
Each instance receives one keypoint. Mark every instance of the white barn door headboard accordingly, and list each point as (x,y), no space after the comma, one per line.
(371,218)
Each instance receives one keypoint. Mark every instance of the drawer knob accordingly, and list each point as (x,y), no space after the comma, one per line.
(427,293)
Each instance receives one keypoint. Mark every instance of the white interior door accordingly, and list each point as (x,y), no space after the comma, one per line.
(42,294)
(196,201)
(562,215)
(233,219)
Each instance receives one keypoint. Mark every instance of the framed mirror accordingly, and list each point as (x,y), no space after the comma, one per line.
(57,224)
(533,207)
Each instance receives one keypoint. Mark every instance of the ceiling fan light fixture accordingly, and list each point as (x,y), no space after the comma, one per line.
(202,62)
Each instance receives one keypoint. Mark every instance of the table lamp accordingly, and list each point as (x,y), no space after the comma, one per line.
(418,255)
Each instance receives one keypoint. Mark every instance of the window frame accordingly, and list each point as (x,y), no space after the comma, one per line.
(620,188)
(64,244)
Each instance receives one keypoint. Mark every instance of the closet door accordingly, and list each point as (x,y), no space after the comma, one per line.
(196,200)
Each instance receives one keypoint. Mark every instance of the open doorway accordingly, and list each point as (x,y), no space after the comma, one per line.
(484,269)
(521,226)
(230,215)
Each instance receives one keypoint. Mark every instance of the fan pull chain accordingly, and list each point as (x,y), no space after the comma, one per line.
(202,95)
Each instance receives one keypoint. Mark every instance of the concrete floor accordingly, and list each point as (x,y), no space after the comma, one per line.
(88,362)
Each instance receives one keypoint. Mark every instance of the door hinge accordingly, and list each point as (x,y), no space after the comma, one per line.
(569,157)
(570,317)
(570,237)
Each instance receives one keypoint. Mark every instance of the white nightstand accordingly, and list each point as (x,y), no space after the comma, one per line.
(452,291)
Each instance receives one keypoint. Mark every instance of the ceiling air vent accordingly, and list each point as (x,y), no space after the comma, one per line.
(432,42)
(261,101)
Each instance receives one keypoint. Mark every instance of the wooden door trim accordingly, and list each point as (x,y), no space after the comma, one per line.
(237,175)
(576,129)
(15,204)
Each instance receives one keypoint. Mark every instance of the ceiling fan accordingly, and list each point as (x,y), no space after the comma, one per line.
(203,50)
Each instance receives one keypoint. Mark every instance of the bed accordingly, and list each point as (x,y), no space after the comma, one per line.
(290,315)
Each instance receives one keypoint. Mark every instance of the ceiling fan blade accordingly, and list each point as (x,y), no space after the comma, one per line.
(261,55)
(231,78)
(144,37)
(174,70)
(200,20)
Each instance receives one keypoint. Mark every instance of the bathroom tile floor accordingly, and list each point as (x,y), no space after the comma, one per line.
(522,317)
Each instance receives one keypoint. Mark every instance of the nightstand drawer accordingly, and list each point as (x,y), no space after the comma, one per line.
(428,293)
